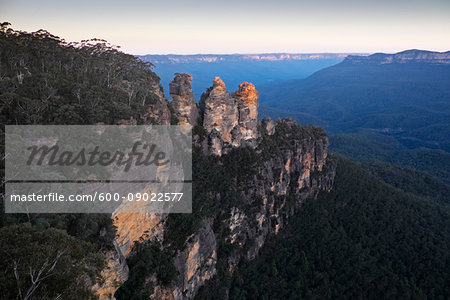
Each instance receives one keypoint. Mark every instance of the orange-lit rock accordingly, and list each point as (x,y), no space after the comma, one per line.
(115,273)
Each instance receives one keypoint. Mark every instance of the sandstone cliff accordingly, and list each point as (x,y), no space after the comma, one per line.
(272,186)
(258,176)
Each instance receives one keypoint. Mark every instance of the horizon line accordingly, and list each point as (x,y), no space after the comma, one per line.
(292,53)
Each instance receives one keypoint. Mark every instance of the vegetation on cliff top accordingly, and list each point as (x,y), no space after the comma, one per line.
(45,80)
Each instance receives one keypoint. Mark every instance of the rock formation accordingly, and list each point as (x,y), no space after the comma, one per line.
(220,117)
(292,166)
(269,125)
(230,120)
(183,102)
(115,273)
(265,204)
(247,101)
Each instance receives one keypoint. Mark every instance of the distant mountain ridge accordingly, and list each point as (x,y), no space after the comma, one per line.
(414,55)
(208,58)
(404,94)
(259,69)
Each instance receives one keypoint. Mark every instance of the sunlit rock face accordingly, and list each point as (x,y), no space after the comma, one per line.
(231,120)
(195,265)
(114,274)
(183,102)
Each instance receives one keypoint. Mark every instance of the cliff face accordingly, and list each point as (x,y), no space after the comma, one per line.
(270,168)
(115,273)
(268,195)
(158,112)
(195,264)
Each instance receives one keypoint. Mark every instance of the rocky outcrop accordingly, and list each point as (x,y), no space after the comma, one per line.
(264,206)
(133,227)
(230,120)
(220,117)
(293,167)
(298,173)
(269,125)
(183,103)
(247,101)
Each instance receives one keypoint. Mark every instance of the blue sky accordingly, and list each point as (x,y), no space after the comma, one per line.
(246,26)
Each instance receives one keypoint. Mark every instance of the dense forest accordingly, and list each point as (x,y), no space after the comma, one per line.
(423,171)
(45,80)
(364,240)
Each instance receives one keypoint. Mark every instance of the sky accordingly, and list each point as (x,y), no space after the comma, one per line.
(241,26)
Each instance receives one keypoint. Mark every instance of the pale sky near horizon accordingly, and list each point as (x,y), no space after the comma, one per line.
(244,26)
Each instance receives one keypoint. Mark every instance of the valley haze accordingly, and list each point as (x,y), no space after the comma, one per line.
(258,68)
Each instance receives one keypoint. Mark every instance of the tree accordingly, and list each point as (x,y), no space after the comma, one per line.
(46,263)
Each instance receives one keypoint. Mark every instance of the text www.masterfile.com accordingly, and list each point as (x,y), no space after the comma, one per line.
(102,197)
